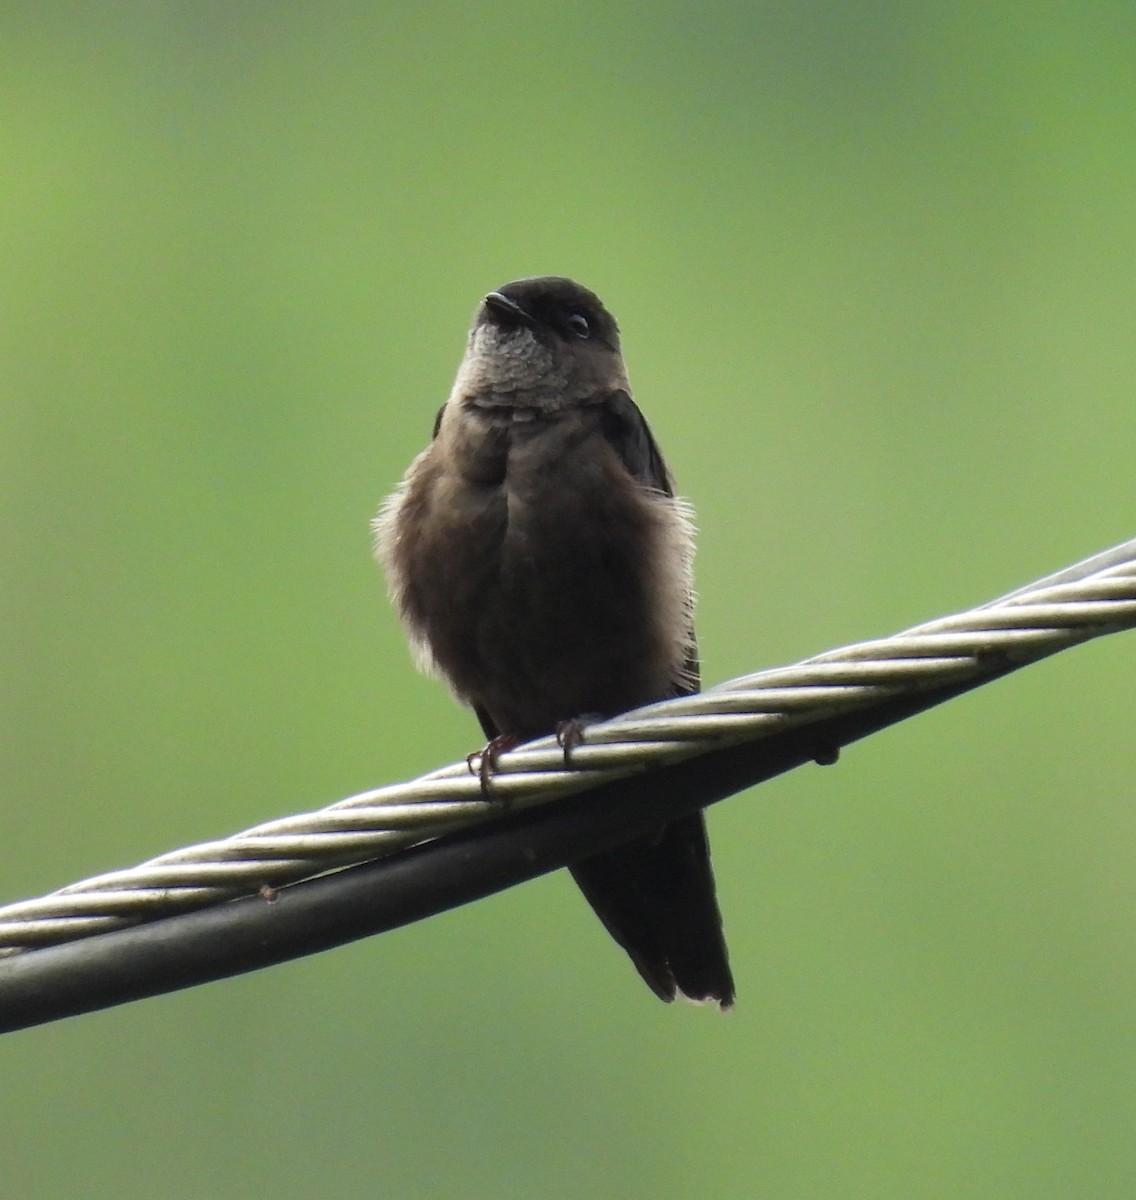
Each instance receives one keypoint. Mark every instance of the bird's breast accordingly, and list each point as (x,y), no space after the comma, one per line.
(546,580)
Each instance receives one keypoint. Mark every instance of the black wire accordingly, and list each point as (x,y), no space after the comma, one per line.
(46,984)
(175,952)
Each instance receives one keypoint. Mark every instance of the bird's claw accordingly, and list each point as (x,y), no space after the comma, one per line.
(570,734)
(486,758)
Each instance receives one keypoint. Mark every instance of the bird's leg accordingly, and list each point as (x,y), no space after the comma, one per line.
(486,758)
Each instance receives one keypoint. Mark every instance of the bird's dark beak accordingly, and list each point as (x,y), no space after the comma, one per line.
(506,311)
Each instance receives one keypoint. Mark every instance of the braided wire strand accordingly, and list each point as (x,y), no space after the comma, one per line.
(1085,601)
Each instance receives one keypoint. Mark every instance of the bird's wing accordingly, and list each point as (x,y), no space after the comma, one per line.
(656,895)
(627,430)
(628,433)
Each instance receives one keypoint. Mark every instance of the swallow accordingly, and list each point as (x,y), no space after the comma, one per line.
(542,565)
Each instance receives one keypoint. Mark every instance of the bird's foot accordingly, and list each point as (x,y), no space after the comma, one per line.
(486,758)
(570,734)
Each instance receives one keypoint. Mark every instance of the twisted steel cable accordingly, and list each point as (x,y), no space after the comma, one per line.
(955,653)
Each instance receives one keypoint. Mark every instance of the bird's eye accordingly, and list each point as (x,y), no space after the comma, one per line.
(578,324)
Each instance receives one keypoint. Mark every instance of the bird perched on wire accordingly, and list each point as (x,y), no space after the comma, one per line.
(542,565)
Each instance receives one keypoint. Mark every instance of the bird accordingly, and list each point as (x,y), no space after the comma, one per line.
(542,566)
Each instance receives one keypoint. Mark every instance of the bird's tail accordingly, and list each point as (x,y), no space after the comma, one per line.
(656,897)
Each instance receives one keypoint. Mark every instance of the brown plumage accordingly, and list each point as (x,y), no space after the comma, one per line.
(542,566)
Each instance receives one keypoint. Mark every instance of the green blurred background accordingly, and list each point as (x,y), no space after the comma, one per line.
(874,265)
